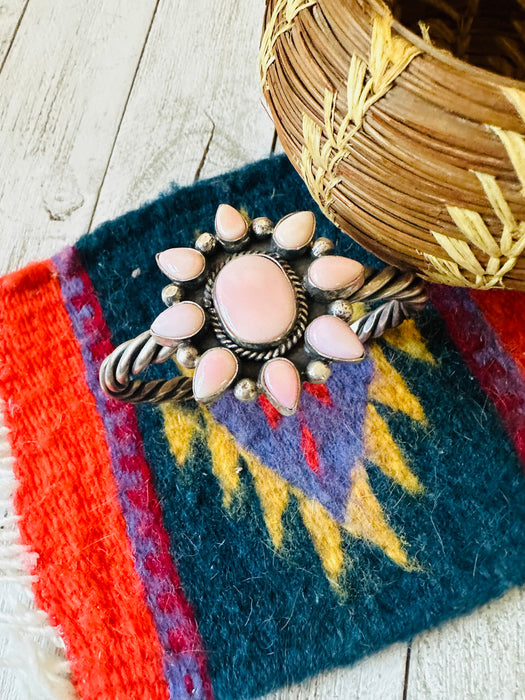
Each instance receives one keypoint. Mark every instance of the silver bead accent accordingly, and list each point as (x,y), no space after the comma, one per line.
(206,243)
(262,227)
(187,356)
(246,390)
(317,372)
(171,294)
(342,308)
(322,246)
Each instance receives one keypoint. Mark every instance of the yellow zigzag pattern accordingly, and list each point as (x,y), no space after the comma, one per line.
(366,519)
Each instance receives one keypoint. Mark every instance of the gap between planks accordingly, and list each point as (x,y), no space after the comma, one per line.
(7,37)
(137,68)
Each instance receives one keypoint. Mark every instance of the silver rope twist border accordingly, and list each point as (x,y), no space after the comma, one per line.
(293,337)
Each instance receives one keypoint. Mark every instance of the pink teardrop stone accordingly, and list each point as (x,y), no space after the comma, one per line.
(331,337)
(181,264)
(216,370)
(282,383)
(333,272)
(229,224)
(295,231)
(178,322)
(255,300)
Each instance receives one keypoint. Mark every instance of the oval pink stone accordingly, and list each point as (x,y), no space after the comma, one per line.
(181,264)
(333,272)
(255,300)
(331,337)
(216,370)
(295,230)
(178,322)
(282,384)
(229,224)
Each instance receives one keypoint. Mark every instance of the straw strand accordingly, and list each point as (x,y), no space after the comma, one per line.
(367,83)
(425,166)
(280,21)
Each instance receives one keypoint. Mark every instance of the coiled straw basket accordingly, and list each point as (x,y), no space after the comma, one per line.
(407,123)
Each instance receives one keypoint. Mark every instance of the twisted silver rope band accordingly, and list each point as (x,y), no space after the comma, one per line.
(403,291)
(118,370)
(404,294)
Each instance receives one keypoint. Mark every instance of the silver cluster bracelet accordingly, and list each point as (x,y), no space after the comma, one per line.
(260,308)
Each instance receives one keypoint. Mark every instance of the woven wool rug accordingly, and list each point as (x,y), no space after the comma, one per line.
(192,553)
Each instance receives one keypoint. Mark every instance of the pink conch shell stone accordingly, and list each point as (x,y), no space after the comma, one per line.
(229,224)
(178,322)
(295,231)
(333,272)
(181,264)
(255,300)
(331,337)
(282,384)
(216,370)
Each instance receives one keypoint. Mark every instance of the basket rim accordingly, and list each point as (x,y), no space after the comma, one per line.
(447,58)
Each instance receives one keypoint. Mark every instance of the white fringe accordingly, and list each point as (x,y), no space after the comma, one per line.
(33,665)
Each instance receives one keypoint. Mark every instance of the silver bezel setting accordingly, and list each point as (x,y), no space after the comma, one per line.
(283,410)
(292,253)
(175,342)
(400,294)
(235,246)
(191,283)
(327,295)
(315,355)
(213,397)
(258,353)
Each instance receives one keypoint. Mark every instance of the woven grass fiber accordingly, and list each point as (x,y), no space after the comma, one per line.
(406,120)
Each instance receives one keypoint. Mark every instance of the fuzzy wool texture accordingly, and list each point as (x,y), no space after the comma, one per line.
(393,500)
(34,663)
(183,663)
(314,449)
(84,572)
(269,614)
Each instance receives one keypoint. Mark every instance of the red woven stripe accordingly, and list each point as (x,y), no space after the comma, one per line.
(505,311)
(320,391)
(273,416)
(309,447)
(66,498)
(496,369)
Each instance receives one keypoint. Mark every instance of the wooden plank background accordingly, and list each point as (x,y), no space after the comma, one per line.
(103,104)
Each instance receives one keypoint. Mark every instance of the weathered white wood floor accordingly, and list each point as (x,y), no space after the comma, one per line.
(102,105)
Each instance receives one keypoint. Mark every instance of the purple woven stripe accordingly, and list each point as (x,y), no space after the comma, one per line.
(337,430)
(172,615)
(485,356)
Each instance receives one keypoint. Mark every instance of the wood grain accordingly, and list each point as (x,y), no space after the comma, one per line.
(380,677)
(63,89)
(475,657)
(11,13)
(195,108)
